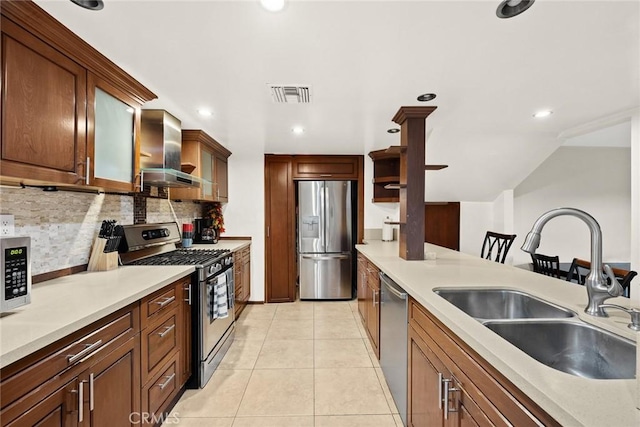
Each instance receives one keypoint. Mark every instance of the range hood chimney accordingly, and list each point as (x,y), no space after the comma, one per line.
(160,146)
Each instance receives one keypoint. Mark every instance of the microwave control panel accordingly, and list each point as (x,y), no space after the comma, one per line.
(15,263)
(15,272)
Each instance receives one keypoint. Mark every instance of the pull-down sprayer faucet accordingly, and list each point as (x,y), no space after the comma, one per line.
(597,289)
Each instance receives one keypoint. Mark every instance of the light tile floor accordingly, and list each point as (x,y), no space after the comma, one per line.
(294,364)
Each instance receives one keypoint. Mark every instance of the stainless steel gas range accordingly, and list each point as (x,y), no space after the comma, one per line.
(211,294)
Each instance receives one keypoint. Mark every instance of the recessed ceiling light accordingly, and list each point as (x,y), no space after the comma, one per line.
(272,5)
(204,112)
(298,130)
(393,130)
(426,97)
(541,114)
(89,4)
(511,8)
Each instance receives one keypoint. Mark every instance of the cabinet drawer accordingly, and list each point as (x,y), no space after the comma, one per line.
(162,388)
(325,167)
(97,339)
(159,302)
(159,340)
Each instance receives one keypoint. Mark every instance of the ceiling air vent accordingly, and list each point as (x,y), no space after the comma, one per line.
(290,94)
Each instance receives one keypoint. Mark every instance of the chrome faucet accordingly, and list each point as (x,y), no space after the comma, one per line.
(597,289)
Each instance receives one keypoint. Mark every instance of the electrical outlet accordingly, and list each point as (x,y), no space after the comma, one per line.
(7,225)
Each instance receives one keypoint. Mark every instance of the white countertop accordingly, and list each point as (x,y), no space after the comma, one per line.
(62,306)
(232,245)
(569,399)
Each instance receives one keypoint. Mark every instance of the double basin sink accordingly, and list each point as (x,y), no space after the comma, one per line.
(550,334)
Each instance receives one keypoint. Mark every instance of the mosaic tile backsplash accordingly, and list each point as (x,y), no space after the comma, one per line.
(63,224)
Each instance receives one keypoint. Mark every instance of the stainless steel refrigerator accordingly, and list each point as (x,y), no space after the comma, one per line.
(325,239)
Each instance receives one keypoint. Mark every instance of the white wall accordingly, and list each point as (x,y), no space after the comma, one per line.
(596,180)
(475,219)
(244,214)
(503,213)
(635,203)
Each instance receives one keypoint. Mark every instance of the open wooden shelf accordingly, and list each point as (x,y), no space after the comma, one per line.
(385,199)
(386,179)
(435,167)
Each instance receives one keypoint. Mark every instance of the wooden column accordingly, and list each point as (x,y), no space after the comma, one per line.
(412,161)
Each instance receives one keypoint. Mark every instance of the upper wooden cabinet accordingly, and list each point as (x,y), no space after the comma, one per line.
(210,160)
(70,116)
(113,129)
(325,167)
(43,110)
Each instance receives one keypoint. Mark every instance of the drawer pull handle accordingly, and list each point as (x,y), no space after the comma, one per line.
(166,301)
(166,330)
(88,349)
(166,383)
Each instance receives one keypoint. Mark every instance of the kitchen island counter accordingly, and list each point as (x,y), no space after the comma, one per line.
(64,305)
(569,399)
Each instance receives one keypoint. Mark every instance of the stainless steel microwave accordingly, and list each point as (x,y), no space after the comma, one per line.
(15,261)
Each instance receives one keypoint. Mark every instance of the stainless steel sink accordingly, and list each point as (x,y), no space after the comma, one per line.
(484,304)
(575,348)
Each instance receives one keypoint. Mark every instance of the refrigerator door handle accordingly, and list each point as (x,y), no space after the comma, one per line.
(326,257)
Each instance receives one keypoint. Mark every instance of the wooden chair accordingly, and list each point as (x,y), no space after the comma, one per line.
(496,246)
(580,269)
(547,265)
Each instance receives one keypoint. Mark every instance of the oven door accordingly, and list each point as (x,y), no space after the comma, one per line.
(213,329)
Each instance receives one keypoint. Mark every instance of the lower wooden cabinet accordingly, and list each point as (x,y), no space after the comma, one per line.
(242,278)
(59,409)
(111,373)
(362,287)
(369,300)
(449,385)
(111,387)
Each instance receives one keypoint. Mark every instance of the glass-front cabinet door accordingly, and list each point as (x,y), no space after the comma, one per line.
(207,174)
(112,136)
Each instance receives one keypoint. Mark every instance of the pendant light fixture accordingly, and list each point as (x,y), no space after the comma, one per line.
(511,8)
(89,4)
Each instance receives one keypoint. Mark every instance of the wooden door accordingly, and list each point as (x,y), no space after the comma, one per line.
(59,409)
(280,261)
(221,172)
(442,224)
(43,119)
(112,387)
(424,386)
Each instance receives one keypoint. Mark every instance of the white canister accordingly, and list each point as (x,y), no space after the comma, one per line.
(387,231)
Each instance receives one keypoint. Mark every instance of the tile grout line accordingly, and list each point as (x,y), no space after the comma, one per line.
(252,370)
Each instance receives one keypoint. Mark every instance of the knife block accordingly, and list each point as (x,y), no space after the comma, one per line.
(98,260)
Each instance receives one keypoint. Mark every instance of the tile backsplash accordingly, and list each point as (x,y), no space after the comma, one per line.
(63,224)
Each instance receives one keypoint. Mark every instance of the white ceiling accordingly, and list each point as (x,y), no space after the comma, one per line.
(618,135)
(366,59)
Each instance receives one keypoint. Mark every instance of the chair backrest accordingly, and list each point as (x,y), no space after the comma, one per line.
(545,264)
(580,269)
(496,246)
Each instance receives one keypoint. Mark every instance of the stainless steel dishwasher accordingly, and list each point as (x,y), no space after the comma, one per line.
(393,340)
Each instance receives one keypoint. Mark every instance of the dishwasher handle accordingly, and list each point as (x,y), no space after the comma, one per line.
(391,287)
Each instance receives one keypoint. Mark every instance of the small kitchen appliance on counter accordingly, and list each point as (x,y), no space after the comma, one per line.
(204,231)
(15,258)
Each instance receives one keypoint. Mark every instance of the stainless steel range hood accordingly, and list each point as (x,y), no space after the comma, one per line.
(160,146)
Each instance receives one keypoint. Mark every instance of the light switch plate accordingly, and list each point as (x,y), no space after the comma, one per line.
(7,225)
